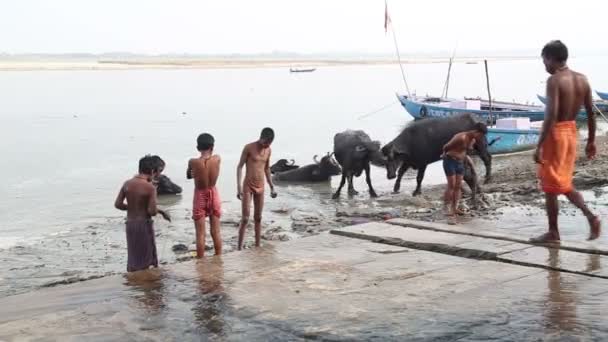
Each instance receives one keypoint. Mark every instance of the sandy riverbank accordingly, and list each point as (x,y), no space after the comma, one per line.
(32,64)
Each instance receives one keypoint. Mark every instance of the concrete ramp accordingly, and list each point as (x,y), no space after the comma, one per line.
(572,257)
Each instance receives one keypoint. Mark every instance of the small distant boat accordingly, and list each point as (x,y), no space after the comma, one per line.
(582,115)
(423,107)
(302,70)
(603,96)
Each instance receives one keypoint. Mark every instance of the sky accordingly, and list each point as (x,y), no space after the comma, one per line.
(311,26)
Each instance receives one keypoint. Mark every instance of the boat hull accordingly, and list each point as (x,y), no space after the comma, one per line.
(420,110)
(603,96)
(512,140)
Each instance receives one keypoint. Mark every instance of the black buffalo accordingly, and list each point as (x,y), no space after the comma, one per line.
(421,143)
(164,186)
(321,171)
(283,165)
(355,150)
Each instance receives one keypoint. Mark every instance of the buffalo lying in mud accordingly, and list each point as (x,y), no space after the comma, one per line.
(321,171)
(283,165)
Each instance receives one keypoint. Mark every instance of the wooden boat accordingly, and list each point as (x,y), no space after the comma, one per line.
(582,115)
(512,140)
(423,107)
(302,70)
(603,96)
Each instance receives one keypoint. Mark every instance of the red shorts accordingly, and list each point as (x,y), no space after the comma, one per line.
(205,203)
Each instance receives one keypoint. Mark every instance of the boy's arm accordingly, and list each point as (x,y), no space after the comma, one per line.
(591,124)
(119,203)
(550,115)
(189,170)
(152,206)
(239,173)
(152,210)
(450,145)
(268,174)
(468,161)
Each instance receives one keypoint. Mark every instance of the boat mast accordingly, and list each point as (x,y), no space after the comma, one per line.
(485,62)
(398,54)
(446,86)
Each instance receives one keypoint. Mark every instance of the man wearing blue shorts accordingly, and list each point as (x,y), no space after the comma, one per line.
(454,157)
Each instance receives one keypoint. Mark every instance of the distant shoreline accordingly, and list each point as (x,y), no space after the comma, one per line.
(202,63)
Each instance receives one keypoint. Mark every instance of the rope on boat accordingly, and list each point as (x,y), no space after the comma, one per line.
(386,106)
(397,50)
(599,111)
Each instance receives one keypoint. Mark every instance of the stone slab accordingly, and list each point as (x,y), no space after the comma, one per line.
(591,247)
(590,264)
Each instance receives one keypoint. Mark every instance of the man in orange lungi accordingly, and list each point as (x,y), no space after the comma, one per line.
(567,92)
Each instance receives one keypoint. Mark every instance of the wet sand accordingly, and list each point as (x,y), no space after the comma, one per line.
(331,287)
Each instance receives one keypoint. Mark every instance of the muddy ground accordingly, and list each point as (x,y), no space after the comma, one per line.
(513,184)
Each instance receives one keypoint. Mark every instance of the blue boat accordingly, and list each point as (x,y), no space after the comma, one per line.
(423,107)
(512,140)
(603,96)
(582,115)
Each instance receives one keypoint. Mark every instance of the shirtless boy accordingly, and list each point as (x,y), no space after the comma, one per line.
(206,202)
(140,207)
(567,92)
(256,159)
(454,157)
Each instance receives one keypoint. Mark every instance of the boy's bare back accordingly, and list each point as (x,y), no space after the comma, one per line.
(205,171)
(141,198)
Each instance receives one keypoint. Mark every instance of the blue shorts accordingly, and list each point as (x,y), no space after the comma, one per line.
(452,166)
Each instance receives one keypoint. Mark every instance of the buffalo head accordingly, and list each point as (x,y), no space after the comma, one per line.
(283,165)
(327,165)
(392,162)
(480,148)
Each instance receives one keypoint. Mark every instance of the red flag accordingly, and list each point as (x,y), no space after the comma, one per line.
(387,18)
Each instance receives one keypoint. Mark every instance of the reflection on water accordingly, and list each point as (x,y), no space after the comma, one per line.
(148,290)
(562,299)
(209,309)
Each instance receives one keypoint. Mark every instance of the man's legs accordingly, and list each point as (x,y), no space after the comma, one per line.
(245,209)
(457,192)
(576,198)
(552,208)
(449,194)
(258,206)
(215,234)
(199,225)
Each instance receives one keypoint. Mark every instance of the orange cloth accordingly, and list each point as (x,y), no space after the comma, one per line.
(254,186)
(558,157)
(206,202)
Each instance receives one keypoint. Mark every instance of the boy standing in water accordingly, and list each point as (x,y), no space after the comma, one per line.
(256,159)
(206,202)
(140,207)
(454,157)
